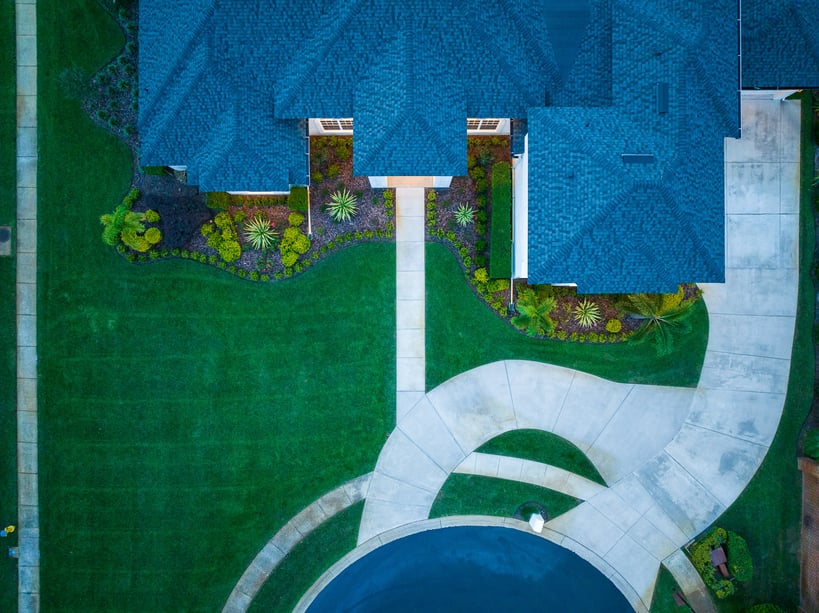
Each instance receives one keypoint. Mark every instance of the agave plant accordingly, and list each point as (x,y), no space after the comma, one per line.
(259,233)
(464,215)
(661,313)
(533,312)
(343,205)
(587,313)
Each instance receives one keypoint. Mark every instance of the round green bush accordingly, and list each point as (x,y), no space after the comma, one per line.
(295,219)
(230,250)
(151,216)
(153,235)
(289,258)
(614,326)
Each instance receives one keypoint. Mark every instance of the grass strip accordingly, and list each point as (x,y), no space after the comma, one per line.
(477,495)
(545,447)
(306,562)
(463,333)
(8,305)
(500,237)
(663,599)
(768,513)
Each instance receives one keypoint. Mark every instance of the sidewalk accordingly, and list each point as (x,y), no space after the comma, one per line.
(28,514)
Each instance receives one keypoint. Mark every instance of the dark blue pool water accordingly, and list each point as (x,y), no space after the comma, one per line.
(471,569)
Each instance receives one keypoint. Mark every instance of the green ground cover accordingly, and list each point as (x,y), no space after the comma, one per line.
(477,495)
(462,333)
(545,447)
(8,274)
(663,599)
(185,414)
(768,513)
(308,560)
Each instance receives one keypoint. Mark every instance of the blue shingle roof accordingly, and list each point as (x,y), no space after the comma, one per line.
(408,72)
(780,44)
(608,225)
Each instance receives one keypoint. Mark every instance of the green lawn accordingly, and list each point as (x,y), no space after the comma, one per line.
(308,560)
(463,333)
(663,600)
(545,447)
(8,274)
(768,513)
(477,495)
(185,414)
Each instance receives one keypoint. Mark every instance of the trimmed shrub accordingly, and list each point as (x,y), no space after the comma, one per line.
(289,258)
(151,216)
(153,235)
(297,198)
(614,326)
(218,200)
(481,276)
(500,240)
(810,446)
(295,219)
(230,250)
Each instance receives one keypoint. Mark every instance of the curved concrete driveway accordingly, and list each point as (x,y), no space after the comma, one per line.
(675,458)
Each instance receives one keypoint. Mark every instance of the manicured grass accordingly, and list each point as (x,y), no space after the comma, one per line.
(545,447)
(463,333)
(768,513)
(476,495)
(185,414)
(302,567)
(663,600)
(8,274)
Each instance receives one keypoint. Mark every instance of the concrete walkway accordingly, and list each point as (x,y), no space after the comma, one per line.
(290,535)
(410,360)
(675,458)
(27,496)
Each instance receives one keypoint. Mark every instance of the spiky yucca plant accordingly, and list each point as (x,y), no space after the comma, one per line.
(533,312)
(587,313)
(464,215)
(343,205)
(259,233)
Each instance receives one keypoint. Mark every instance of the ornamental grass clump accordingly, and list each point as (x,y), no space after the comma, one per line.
(587,313)
(464,215)
(343,205)
(259,233)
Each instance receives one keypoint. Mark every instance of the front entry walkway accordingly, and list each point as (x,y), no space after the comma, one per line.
(674,458)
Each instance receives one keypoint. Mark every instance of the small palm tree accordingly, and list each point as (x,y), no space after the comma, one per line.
(464,215)
(533,312)
(343,205)
(259,233)
(121,221)
(662,314)
(587,313)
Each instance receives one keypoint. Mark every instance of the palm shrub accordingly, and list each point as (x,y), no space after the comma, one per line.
(343,205)
(464,215)
(259,233)
(121,221)
(587,313)
(533,312)
(661,314)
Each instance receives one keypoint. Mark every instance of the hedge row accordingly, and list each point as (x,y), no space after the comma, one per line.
(500,238)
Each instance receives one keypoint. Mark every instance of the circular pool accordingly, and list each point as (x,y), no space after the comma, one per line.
(470,568)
